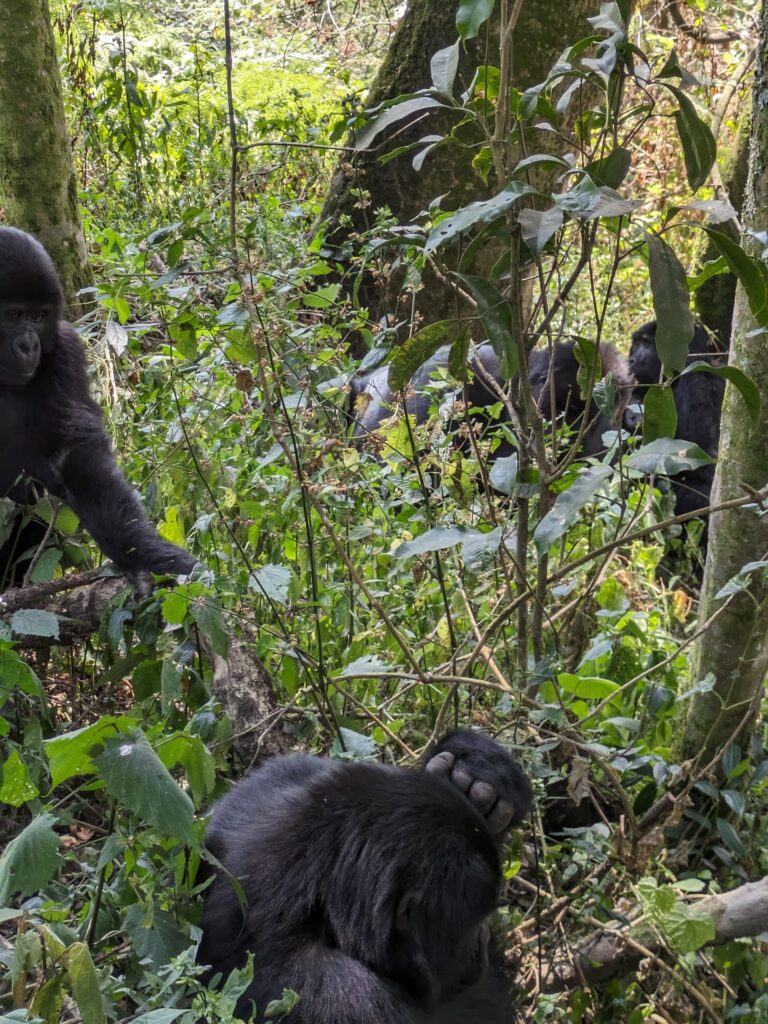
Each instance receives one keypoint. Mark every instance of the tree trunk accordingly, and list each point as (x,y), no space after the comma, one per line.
(37,183)
(734,647)
(714,300)
(542,32)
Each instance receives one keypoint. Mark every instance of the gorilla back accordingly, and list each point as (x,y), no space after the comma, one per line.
(51,429)
(366,886)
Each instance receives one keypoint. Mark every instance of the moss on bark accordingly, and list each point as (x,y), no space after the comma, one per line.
(734,646)
(37,185)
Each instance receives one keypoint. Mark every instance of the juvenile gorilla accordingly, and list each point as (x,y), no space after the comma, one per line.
(366,886)
(698,399)
(51,429)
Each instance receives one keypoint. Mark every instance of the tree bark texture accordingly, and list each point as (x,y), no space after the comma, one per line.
(734,646)
(37,184)
(715,299)
(543,31)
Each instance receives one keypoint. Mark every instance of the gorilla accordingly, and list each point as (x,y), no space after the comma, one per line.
(52,430)
(698,398)
(373,401)
(553,374)
(365,886)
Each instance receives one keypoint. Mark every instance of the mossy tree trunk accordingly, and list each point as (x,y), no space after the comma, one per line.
(734,645)
(37,185)
(714,300)
(542,32)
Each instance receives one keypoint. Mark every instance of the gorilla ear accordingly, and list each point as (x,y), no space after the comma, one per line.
(409,911)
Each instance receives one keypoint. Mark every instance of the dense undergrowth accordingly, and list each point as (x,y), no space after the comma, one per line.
(377,583)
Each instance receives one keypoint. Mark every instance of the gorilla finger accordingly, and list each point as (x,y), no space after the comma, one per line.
(500,817)
(483,796)
(441,763)
(461,777)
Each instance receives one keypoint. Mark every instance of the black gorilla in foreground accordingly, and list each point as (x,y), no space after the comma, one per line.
(51,430)
(366,886)
(698,399)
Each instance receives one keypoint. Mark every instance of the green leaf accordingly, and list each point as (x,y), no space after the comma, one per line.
(364,666)
(198,762)
(321,298)
(751,273)
(586,687)
(155,933)
(30,860)
(158,1017)
(471,15)
(503,475)
(669,456)
(392,115)
(415,351)
(207,613)
(272,581)
(744,384)
(671,304)
(16,787)
(731,838)
(497,320)
(436,539)
(15,672)
(611,170)
(476,213)
(538,226)
(70,755)
(478,549)
(567,508)
(443,67)
(699,147)
(85,983)
(659,413)
(35,622)
(543,160)
(175,606)
(136,777)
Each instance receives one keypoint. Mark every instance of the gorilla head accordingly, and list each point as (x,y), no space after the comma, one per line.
(30,306)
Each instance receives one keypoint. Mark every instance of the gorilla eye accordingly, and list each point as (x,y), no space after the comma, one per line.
(38,317)
(12,315)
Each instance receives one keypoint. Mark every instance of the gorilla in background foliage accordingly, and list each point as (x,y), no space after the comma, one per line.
(698,398)
(51,429)
(553,374)
(366,886)
(373,401)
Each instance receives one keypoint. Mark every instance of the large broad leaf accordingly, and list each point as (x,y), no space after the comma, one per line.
(495,313)
(85,983)
(567,508)
(503,475)
(746,387)
(15,672)
(156,934)
(671,304)
(70,754)
(659,413)
(471,15)
(35,622)
(668,456)
(416,350)
(443,66)
(588,201)
(751,274)
(437,539)
(135,776)
(31,859)
(699,147)
(538,226)
(476,213)
(272,581)
(392,115)
(611,170)
(16,786)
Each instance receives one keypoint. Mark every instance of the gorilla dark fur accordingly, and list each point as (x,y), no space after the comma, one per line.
(698,399)
(553,374)
(51,429)
(366,886)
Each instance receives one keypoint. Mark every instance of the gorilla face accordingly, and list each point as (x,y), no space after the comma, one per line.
(30,306)
(644,362)
(24,331)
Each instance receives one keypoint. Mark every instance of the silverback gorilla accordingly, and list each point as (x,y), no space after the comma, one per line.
(51,429)
(698,398)
(366,886)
